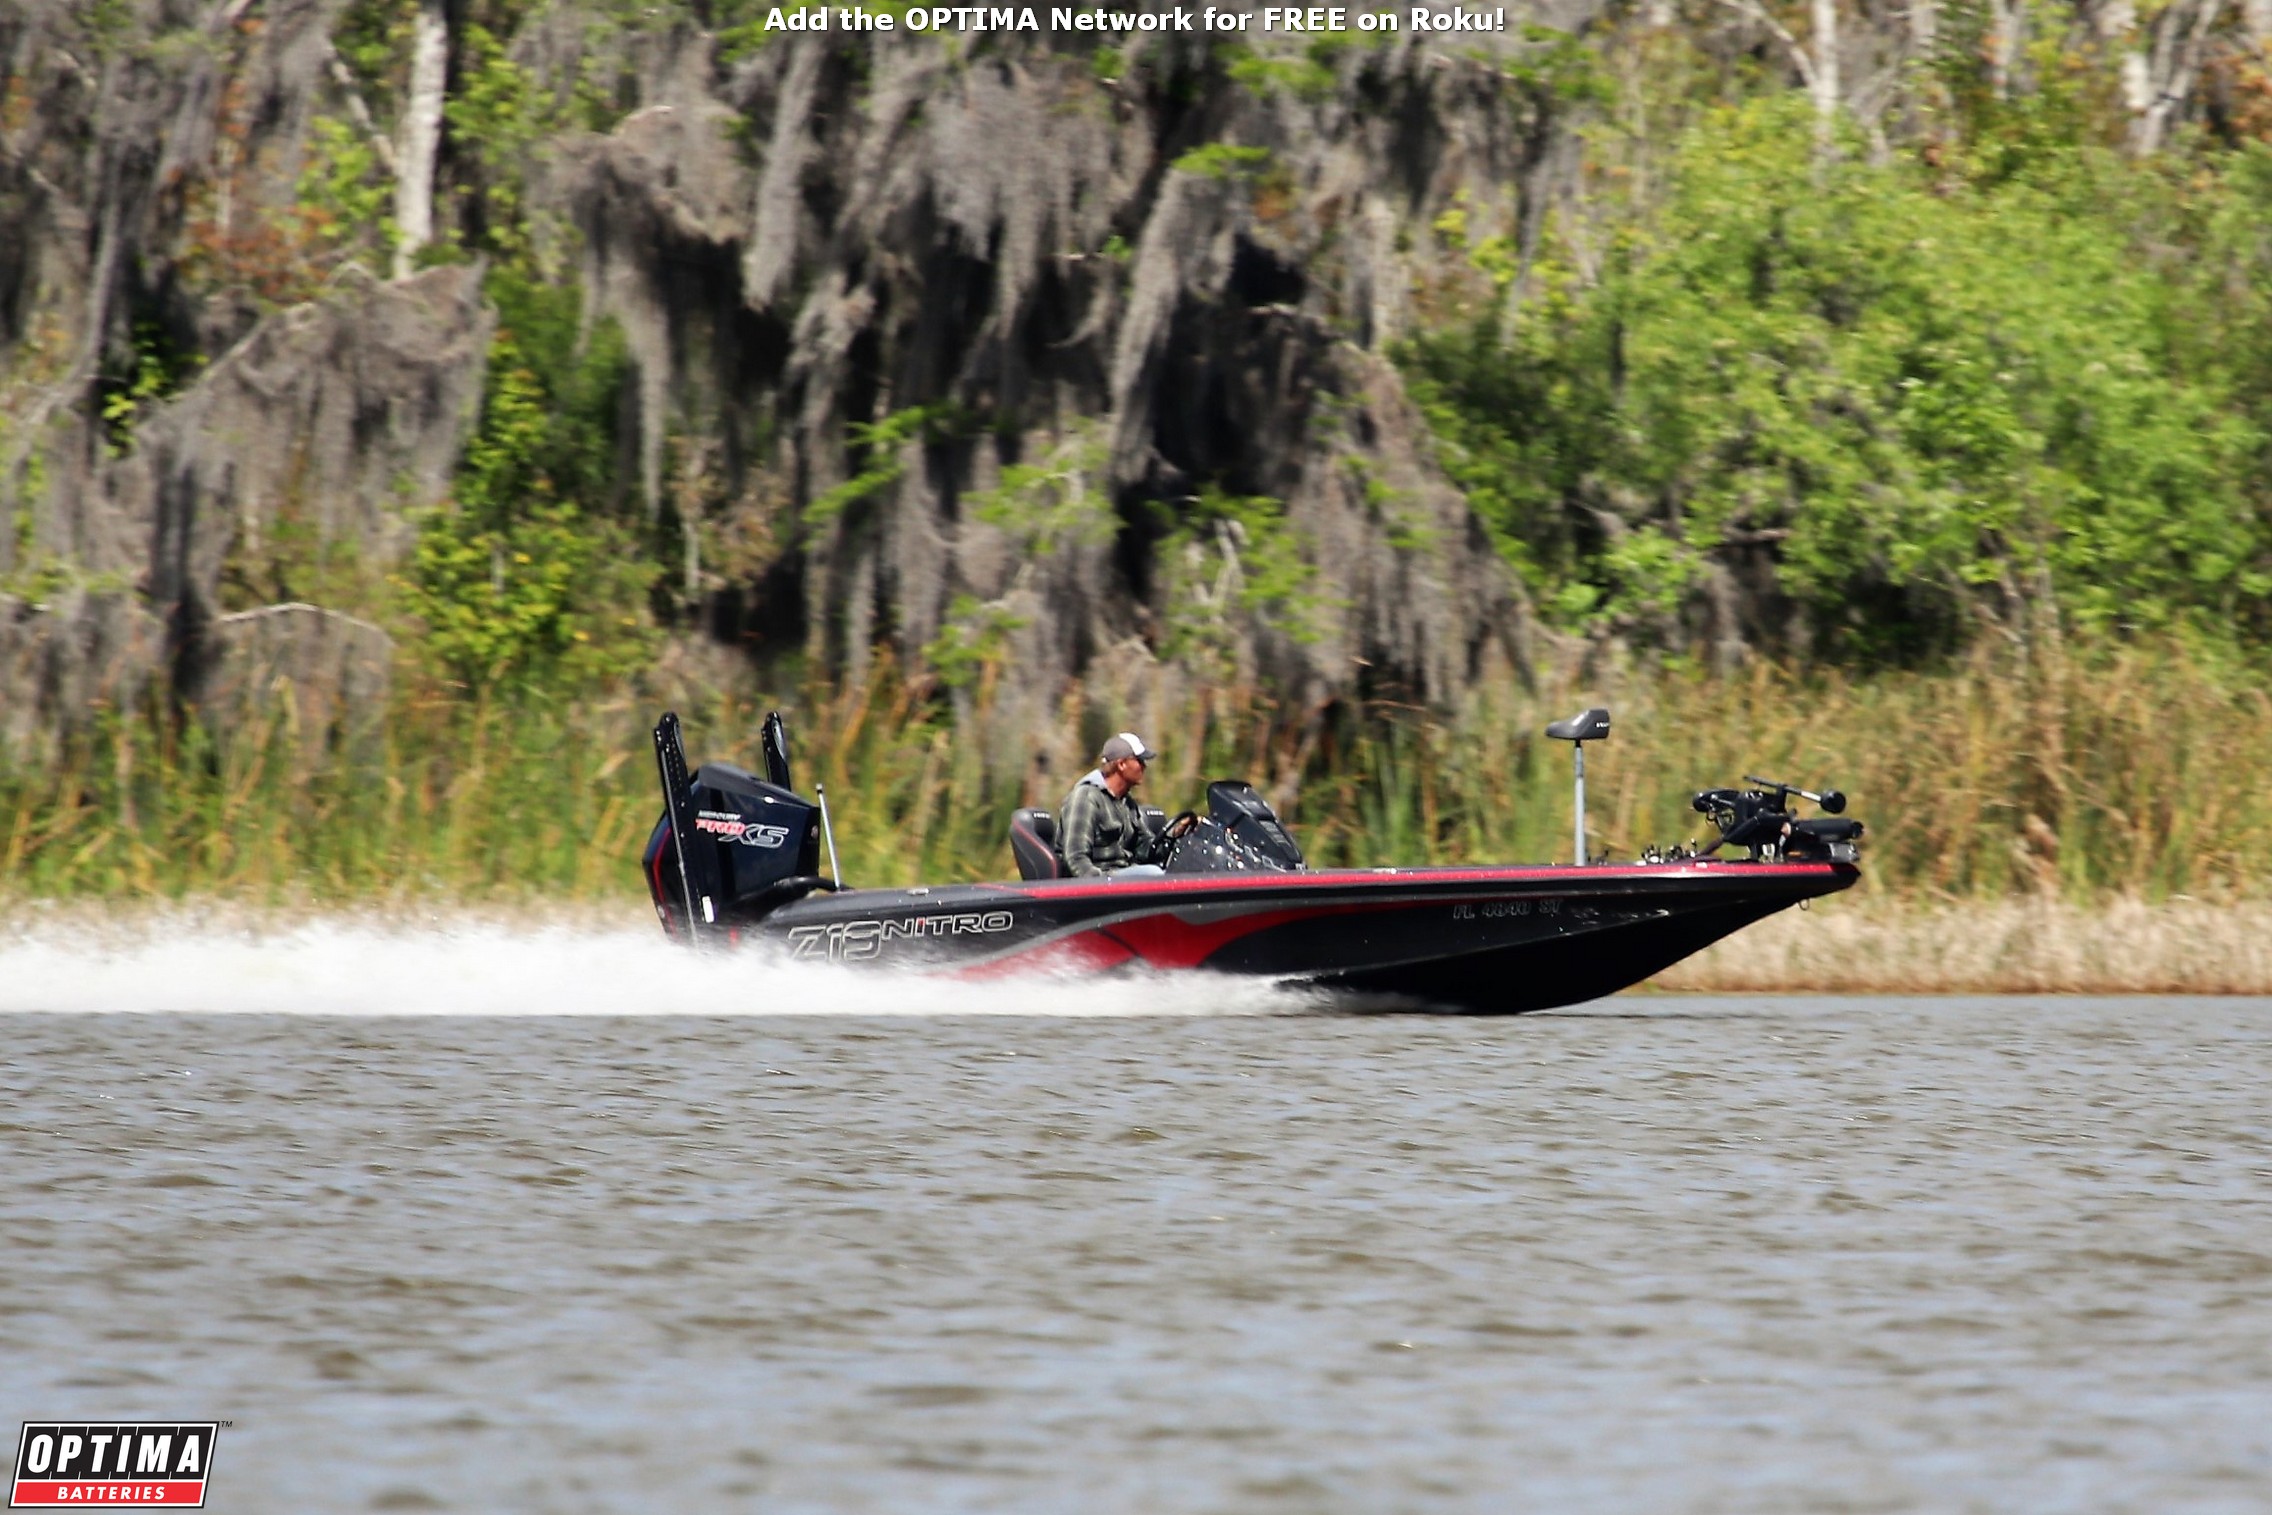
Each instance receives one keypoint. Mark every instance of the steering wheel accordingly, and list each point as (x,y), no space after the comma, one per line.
(1181,826)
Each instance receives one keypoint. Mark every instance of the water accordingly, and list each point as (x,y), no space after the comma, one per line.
(1147,1246)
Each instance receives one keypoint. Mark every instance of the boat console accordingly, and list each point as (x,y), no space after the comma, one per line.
(1240,833)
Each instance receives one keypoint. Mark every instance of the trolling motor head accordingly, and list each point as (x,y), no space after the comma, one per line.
(1831,801)
(1760,820)
(1586,726)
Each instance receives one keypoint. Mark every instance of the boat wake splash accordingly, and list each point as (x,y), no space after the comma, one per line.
(346,966)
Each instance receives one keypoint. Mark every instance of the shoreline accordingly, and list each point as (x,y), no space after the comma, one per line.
(2013,946)
(1843,946)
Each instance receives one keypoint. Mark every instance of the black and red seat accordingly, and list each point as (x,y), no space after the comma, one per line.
(1033,842)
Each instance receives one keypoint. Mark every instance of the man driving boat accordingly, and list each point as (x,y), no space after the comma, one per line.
(1100,827)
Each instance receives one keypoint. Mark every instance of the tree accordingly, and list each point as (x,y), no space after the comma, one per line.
(421,134)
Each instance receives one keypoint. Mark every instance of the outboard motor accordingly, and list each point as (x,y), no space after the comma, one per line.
(736,845)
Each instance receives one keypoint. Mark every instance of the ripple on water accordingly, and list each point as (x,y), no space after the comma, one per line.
(1777,1254)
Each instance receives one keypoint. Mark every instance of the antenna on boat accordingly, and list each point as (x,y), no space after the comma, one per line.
(1591,726)
(820,793)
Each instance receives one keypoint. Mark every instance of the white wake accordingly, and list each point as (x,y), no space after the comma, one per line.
(341,965)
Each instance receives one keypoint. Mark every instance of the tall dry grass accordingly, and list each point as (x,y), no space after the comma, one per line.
(2136,773)
(442,800)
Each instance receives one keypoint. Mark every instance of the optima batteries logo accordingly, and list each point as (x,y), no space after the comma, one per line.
(69,1464)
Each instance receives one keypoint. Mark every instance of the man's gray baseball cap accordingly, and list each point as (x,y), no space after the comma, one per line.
(1126,745)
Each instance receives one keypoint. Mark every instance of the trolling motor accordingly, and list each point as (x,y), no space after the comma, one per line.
(1760,820)
(1590,726)
(730,847)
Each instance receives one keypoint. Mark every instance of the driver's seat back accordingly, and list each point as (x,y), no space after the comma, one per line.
(1033,842)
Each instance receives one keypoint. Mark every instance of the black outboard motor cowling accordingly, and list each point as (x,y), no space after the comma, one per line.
(749,846)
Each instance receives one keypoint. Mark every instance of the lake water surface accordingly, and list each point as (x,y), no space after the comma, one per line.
(726,1236)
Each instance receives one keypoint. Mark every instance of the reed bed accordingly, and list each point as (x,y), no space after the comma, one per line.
(2141,773)
(441,801)
(2136,774)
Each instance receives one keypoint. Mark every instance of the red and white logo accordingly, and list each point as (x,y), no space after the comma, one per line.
(734,828)
(72,1464)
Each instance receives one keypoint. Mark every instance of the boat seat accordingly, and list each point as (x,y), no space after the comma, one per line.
(1033,842)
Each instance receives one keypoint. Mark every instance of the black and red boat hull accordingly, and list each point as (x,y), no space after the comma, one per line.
(1490,940)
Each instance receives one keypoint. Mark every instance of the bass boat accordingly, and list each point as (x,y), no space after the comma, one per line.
(735,859)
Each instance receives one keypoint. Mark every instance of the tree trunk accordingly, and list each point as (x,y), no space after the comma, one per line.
(1925,26)
(421,134)
(1825,79)
(2007,28)
(2180,36)
(1817,71)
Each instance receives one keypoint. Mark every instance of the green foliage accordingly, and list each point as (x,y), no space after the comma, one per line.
(499,114)
(1326,48)
(1495,257)
(344,196)
(1305,77)
(529,574)
(1390,506)
(1560,69)
(373,38)
(292,557)
(159,368)
(973,645)
(107,25)
(1224,160)
(1994,133)
(23,525)
(1055,504)
(879,444)
(1937,405)
(1227,557)
(745,27)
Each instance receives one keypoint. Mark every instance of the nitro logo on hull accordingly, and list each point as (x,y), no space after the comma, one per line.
(63,1464)
(854,941)
(734,829)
